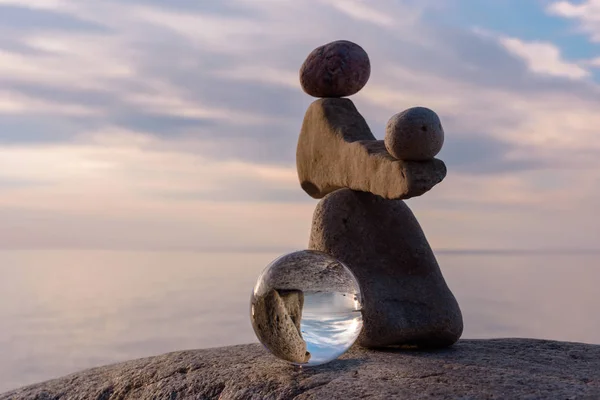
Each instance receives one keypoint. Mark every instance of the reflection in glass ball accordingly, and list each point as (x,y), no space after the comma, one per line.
(306,308)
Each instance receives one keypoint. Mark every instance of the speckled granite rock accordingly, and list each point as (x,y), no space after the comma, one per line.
(405,298)
(472,369)
(336,149)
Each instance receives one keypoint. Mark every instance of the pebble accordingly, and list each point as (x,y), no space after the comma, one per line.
(415,134)
(336,69)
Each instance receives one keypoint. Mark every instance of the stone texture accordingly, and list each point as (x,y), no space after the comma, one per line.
(336,69)
(405,298)
(306,270)
(336,149)
(276,320)
(415,134)
(470,370)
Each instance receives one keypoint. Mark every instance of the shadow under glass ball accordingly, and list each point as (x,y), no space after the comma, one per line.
(306,308)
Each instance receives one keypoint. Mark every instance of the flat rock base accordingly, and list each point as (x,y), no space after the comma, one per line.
(471,369)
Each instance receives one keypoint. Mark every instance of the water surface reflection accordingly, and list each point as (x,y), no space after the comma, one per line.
(64,311)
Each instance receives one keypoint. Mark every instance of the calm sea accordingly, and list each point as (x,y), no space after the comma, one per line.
(63,311)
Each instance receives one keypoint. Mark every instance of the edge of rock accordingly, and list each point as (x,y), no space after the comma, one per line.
(471,369)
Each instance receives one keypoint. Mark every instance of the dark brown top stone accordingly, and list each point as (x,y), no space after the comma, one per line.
(337,69)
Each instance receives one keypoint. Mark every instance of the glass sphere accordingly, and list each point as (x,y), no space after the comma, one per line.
(306,308)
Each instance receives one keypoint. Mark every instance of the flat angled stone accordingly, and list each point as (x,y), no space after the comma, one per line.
(336,149)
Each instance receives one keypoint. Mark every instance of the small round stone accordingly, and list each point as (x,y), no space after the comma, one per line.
(415,134)
(337,69)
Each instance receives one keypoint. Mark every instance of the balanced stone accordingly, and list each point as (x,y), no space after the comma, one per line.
(415,134)
(276,320)
(336,149)
(406,300)
(337,69)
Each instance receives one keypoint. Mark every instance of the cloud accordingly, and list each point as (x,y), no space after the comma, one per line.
(359,10)
(123,190)
(593,63)
(18,103)
(19,18)
(480,155)
(544,58)
(122,163)
(585,13)
(186,114)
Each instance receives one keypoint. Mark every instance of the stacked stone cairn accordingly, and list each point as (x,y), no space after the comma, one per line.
(362,219)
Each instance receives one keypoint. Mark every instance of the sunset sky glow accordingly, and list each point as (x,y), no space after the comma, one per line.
(162,125)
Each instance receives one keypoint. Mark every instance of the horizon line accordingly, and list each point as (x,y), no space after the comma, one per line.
(289,249)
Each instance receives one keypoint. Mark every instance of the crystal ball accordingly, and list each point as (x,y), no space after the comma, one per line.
(306,308)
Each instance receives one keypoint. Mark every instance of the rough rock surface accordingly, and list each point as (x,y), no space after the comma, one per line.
(336,69)
(306,270)
(336,149)
(471,369)
(415,134)
(276,320)
(405,298)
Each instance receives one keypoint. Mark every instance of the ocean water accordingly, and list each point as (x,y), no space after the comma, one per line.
(331,322)
(63,311)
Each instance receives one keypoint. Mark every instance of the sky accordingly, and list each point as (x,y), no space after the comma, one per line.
(172,125)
